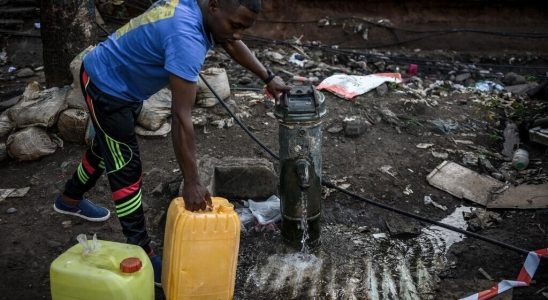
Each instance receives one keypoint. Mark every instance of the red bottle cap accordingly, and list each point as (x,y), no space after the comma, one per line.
(130,265)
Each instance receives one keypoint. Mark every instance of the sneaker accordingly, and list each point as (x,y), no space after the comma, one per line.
(85,210)
(157,267)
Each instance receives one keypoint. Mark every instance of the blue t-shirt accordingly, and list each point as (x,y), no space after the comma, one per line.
(135,62)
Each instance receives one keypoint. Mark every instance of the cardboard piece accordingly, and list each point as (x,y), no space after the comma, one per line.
(523,196)
(463,183)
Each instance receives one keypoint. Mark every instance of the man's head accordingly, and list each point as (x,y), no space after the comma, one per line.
(227,19)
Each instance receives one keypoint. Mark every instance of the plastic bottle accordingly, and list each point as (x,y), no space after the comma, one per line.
(105,270)
(520,160)
(200,251)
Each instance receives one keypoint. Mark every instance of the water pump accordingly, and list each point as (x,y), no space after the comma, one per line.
(300,114)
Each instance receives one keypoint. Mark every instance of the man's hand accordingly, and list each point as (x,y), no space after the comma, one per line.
(196,197)
(277,87)
(242,55)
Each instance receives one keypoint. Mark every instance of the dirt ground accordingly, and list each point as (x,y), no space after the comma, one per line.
(33,236)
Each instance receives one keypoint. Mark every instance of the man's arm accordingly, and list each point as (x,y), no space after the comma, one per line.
(195,195)
(242,55)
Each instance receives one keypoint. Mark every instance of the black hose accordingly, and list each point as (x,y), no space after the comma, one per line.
(375,203)
(238,120)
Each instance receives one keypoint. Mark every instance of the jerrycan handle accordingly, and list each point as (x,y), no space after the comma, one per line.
(83,240)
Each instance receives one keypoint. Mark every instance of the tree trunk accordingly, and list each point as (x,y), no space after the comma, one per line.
(67,28)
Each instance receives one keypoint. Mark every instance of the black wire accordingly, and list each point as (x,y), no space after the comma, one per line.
(238,120)
(384,206)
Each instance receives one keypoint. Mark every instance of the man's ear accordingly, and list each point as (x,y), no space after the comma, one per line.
(214,5)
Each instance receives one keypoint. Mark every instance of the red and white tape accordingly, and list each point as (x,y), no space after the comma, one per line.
(524,278)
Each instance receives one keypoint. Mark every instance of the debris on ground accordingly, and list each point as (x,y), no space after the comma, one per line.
(479,219)
(428,201)
(350,86)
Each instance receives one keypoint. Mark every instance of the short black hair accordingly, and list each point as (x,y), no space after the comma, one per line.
(253,5)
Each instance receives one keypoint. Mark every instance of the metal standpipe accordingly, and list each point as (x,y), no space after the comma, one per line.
(300,113)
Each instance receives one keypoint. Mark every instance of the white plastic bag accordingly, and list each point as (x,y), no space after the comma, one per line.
(217,78)
(266,212)
(350,86)
(155,110)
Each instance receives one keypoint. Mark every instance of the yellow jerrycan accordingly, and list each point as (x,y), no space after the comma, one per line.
(200,251)
(102,270)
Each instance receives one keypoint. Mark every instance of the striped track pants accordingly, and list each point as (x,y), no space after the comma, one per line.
(115,150)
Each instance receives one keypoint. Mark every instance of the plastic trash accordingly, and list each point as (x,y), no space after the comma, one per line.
(412,70)
(88,248)
(488,86)
(350,86)
(266,212)
(297,59)
(445,126)
(12,69)
(520,160)
(246,216)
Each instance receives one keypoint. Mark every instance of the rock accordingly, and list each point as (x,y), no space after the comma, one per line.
(3,151)
(238,178)
(416,80)
(274,56)
(354,126)
(32,91)
(9,103)
(158,190)
(26,72)
(521,89)
(245,80)
(66,224)
(512,78)
(221,111)
(335,128)
(382,89)
(462,77)
(72,125)
(11,210)
(54,244)
(479,219)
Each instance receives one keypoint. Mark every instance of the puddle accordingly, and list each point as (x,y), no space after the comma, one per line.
(350,264)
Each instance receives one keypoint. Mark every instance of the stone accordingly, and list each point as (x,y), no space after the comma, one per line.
(521,89)
(54,244)
(245,80)
(11,210)
(3,151)
(9,103)
(158,190)
(238,177)
(354,126)
(25,72)
(462,77)
(512,78)
(382,89)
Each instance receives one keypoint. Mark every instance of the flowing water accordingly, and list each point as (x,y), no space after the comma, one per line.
(304,222)
(350,264)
